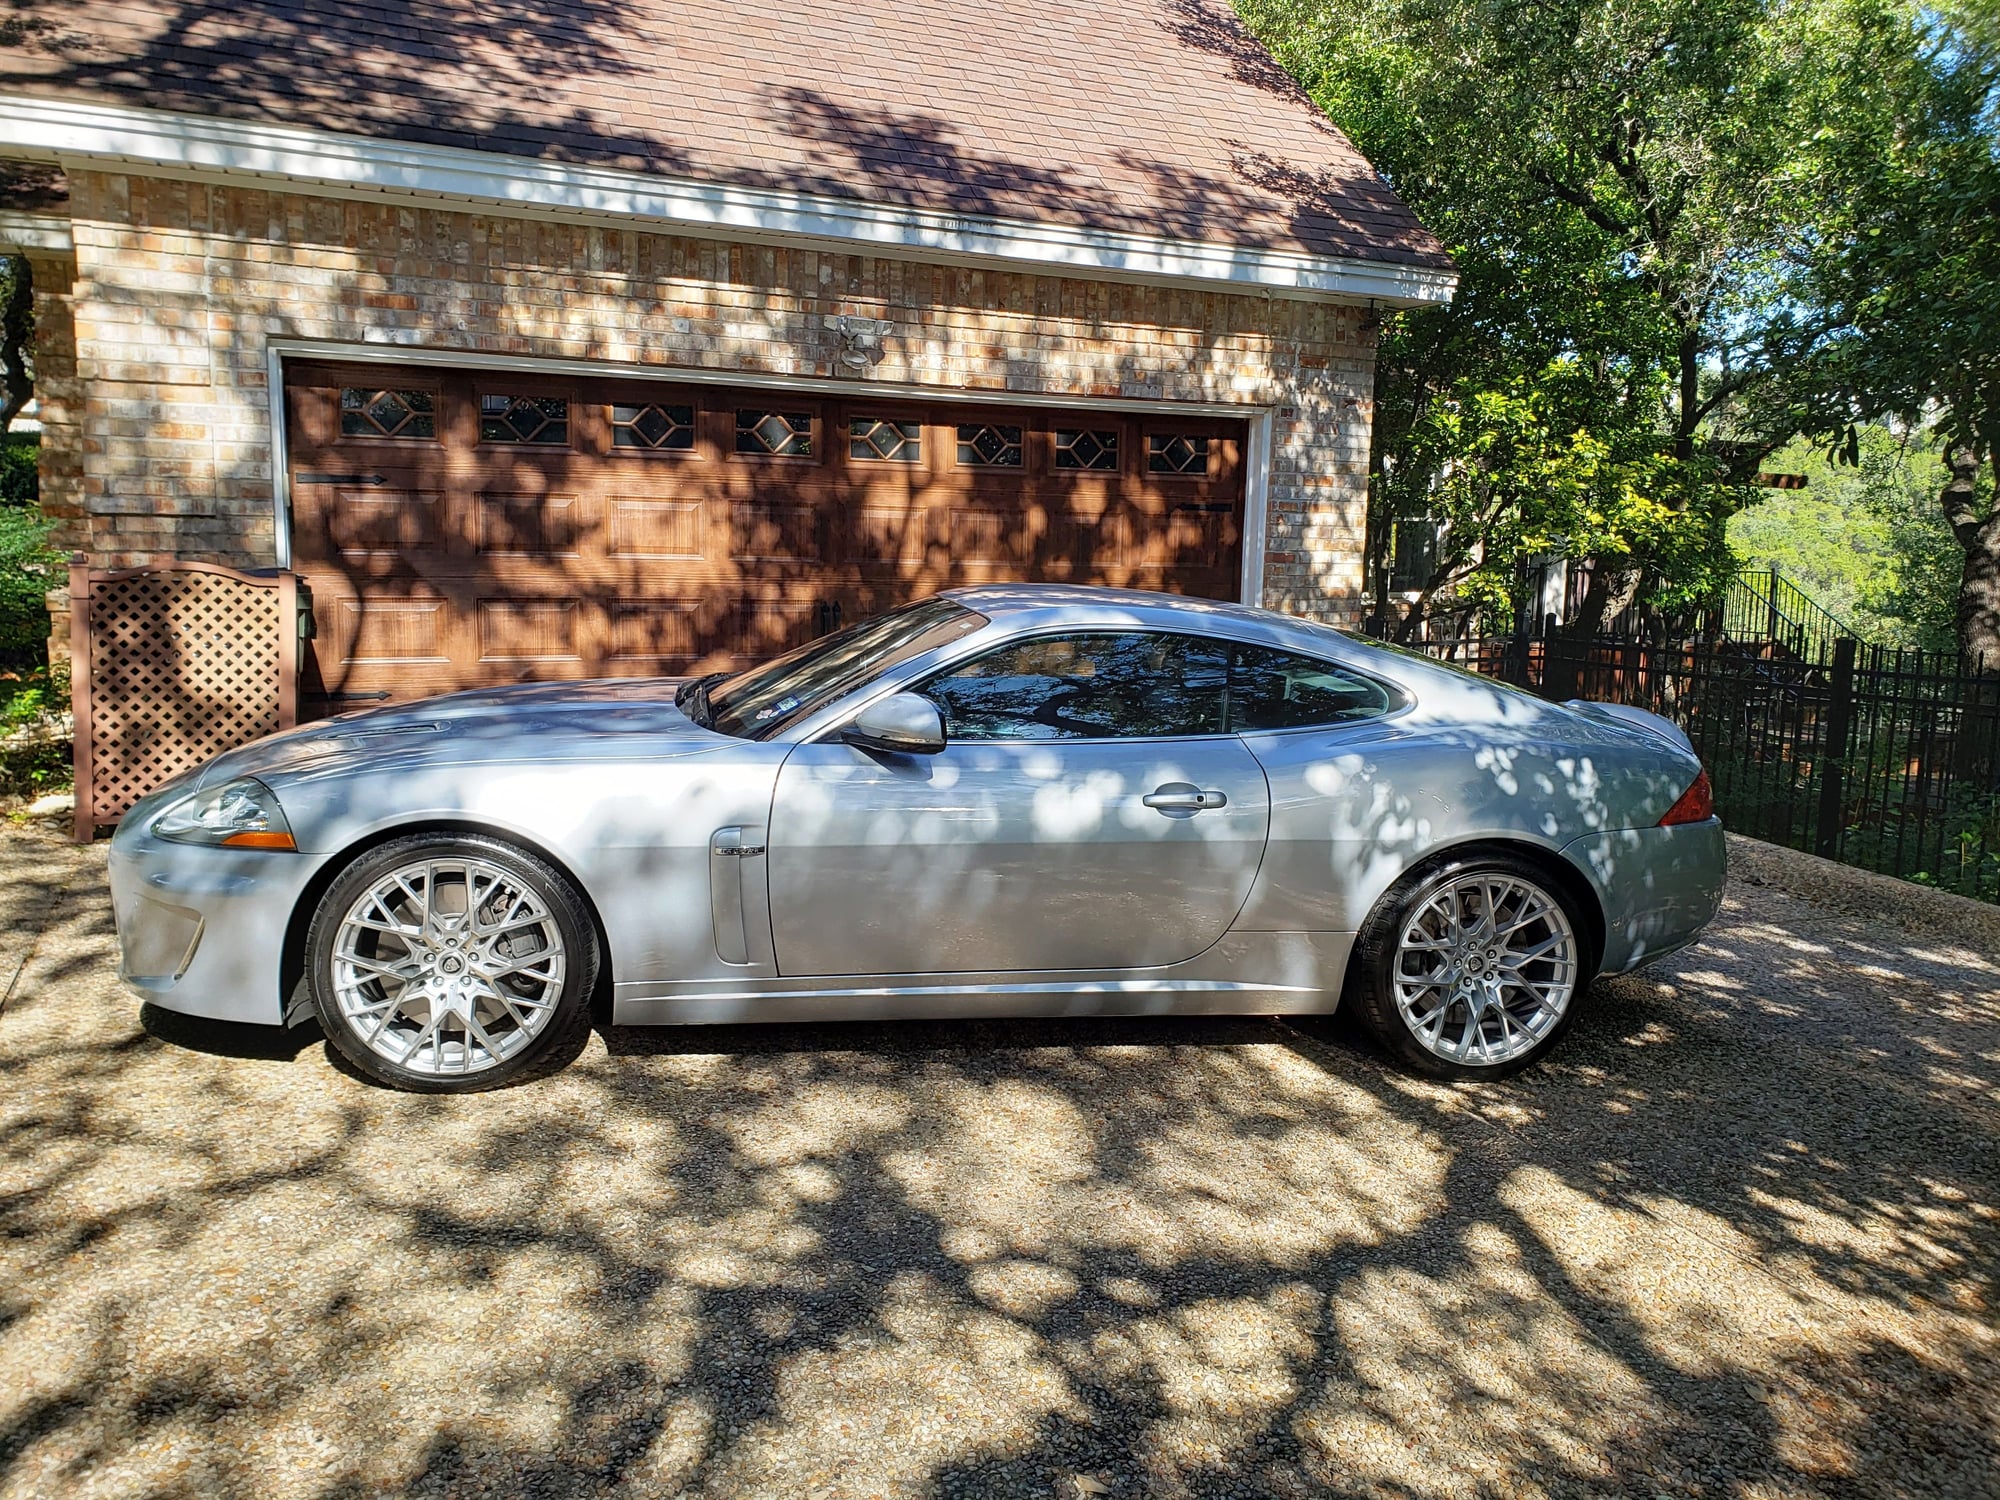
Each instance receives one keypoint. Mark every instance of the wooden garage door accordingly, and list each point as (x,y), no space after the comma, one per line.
(461,529)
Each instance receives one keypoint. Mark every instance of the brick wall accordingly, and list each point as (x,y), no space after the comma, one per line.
(180,285)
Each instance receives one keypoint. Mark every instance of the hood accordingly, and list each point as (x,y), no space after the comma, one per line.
(540,721)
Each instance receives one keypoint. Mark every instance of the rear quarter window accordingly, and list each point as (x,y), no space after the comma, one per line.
(1271,689)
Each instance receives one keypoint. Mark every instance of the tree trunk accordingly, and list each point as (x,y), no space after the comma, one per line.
(1609,591)
(1978,618)
(1413,619)
(1379,565)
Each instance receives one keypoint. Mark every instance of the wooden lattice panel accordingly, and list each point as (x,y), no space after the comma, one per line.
(183,663)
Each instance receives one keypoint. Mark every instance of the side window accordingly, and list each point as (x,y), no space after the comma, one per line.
(1277,690)
(1124,685)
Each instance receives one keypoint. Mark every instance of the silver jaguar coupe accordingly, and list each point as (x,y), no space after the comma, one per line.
(1003,801)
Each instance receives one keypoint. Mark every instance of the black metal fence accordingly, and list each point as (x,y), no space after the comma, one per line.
(1885,759)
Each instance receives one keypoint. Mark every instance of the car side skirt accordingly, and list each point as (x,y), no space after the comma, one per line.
(1248,973)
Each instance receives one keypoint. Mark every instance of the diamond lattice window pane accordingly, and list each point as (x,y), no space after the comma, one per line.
(404,414)
(523,419)
(989,446)
(1176,453)
(898,442)
(1090,448)
(657,427)
(781,434)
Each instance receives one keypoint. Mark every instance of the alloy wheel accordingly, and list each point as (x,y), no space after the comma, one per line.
(1485,967)
(448,966)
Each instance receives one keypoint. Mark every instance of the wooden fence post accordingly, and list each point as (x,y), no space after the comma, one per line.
(83,763)
(1833,752)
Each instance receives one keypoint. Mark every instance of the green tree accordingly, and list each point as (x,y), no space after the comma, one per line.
(1865,539)
(1905,262)
(1617,185)
(29,568)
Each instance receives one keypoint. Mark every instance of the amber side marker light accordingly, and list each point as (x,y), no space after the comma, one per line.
(1696,804)
(260,840)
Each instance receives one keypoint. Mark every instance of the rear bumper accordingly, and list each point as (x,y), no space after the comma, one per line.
(202,930)
(1658,887)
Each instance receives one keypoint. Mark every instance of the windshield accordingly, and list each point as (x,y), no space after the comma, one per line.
(758,703)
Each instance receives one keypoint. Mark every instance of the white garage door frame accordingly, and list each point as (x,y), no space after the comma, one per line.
(1256,468)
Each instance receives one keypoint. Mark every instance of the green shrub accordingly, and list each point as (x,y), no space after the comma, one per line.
(18,451)
(29,568)
(30,770)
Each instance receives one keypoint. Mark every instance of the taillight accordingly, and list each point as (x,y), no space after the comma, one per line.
(1696,804)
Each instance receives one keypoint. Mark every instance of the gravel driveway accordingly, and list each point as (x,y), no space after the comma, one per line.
(1739,1239)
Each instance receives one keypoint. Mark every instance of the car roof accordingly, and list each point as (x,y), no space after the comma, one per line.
(1091,604)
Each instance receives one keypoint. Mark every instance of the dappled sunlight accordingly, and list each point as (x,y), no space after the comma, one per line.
(1432,1367)
(1737,1237)
(1259,1185)
(938,1381)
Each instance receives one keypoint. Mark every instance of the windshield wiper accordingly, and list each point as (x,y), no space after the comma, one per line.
(692,699)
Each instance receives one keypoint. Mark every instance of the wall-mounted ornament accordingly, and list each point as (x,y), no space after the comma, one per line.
(861,342)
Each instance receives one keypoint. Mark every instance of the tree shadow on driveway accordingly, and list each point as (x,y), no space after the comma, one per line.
(1737,1238)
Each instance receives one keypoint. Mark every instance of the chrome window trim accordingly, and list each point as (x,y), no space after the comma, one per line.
(828,723)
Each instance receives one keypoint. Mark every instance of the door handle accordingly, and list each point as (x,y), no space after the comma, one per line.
(1183,797)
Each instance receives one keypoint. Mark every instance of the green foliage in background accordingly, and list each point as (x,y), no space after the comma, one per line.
(29,568)
(1614,183)
(18,452)
(17,338)
(1687,231)
(1867,540)
(1904,256)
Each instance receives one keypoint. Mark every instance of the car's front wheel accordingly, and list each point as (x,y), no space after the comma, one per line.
(1471,967)
(446,963)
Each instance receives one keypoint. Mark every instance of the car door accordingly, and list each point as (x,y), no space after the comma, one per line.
(1087,812)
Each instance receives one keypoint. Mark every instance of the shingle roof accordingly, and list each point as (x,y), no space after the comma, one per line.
(1150,116)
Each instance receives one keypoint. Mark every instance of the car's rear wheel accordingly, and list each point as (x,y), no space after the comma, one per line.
(1471,967)
(447,963)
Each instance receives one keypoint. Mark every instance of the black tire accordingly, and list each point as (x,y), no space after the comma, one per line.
(566,1026)
(1371,973)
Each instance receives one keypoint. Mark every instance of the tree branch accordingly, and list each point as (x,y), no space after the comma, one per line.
(1585,202)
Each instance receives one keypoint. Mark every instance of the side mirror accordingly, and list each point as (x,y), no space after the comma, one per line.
(901,724)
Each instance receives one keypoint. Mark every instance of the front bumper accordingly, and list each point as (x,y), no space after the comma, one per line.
(202,930)
(1658,887)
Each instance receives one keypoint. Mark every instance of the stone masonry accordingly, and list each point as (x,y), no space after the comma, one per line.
(178,286)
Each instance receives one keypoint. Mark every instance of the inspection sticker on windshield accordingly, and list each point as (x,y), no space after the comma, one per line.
(782,706)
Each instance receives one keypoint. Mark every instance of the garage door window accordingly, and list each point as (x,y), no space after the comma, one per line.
(892,442)
(774,434)
(1177,453)
(524,419)
(387,414)
(989,445)
(652,428)
(1086,448)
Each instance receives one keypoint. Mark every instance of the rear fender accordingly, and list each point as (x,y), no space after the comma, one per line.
(1638,718)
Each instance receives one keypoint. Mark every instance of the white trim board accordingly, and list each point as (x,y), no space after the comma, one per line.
(21,231)
(1256,458)
(202,148)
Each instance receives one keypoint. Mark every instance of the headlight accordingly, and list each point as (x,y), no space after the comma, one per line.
(240,814)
